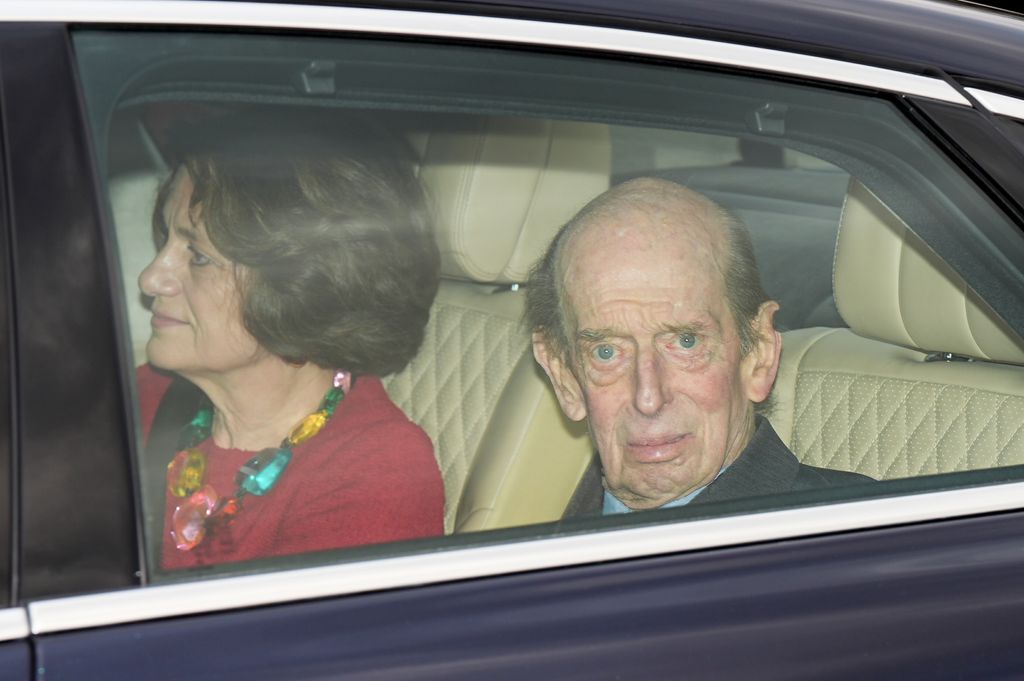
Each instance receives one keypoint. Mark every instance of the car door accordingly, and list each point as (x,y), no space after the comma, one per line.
(911,576)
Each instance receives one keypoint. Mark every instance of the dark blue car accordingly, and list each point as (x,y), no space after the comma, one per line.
(875,151)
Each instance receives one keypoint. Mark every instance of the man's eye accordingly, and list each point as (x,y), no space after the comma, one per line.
(198,257)
(687,341)
(604,352)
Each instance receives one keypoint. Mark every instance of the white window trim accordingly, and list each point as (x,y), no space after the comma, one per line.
(492,29)
(13,624)
(1003,105)
(134,605)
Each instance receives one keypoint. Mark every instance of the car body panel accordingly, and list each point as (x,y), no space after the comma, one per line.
(15,661)
(15,648)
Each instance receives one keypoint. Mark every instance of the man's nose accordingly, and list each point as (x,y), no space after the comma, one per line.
(652,389)
(160,278)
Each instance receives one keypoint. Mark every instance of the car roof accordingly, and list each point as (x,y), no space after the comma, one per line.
(973,43)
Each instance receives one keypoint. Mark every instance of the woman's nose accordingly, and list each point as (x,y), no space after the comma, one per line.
(159,277)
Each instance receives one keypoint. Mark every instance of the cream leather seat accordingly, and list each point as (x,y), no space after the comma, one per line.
(865,398)
(500,192)
(132,197)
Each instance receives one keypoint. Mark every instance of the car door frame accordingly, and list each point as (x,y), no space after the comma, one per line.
(417,605)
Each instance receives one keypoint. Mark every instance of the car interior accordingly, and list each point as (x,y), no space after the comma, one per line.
(893,365)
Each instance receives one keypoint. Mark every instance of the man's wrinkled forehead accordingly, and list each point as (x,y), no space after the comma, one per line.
(627,237)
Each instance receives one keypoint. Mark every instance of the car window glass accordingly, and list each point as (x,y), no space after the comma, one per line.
(214,146)
(1014,129)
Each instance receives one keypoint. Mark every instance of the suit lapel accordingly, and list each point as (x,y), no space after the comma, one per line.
(765,466)
(588,499)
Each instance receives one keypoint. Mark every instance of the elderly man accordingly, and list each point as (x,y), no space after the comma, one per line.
(649,318)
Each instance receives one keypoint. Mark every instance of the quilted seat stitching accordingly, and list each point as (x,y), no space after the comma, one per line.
(812,389)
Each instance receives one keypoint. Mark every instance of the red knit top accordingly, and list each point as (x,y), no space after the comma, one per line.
(369,476)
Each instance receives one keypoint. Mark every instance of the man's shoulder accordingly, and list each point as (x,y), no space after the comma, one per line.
(813,477)
(767,466)
(800,476)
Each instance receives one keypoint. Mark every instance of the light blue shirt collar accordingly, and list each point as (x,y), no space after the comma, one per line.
(612,505)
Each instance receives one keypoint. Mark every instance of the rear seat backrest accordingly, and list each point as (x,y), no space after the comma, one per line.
(500,193)
(132,197)
(864,399)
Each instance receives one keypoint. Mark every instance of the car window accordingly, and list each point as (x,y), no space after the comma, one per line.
(250,176)
(7,432)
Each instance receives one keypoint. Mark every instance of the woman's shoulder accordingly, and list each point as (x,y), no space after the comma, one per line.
(375,464)
(372,420)
(370,404)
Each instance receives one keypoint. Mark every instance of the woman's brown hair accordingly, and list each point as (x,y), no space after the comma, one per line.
(325,213)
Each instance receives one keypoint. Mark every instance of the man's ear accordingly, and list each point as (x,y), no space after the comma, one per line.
(567,388)
(762,362)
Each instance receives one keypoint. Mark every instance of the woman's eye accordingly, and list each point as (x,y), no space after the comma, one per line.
(687,341)
(604,352)
(198,257)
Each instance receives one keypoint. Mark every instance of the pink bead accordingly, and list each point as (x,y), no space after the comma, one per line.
(343,380)
(189,521)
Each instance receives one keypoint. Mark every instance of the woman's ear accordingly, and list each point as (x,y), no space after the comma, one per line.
(761,364)
(567,388)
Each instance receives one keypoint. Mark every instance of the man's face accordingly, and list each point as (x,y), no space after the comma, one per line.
(655,363)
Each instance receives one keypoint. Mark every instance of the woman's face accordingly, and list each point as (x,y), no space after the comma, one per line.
(197,321)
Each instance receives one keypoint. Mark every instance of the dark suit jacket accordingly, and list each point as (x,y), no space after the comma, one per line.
(766,466)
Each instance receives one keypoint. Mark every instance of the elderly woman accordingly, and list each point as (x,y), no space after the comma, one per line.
(295,266)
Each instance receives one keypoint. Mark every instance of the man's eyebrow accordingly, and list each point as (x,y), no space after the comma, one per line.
(698,326)
(594,334)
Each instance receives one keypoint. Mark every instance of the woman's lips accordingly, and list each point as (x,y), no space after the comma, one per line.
(162,321)
(658,448)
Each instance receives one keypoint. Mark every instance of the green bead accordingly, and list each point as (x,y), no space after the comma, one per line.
(259,475)
(203,419)
(331,400)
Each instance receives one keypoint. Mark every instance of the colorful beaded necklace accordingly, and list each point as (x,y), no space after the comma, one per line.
(202,508)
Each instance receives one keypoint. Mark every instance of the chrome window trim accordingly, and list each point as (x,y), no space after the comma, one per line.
(133,605)
(13,624)
(1004,105)
(493,29)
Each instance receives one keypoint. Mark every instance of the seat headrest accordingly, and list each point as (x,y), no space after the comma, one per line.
(501,191)
(891,286)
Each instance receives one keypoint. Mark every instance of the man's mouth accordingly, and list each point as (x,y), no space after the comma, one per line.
(656,448)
